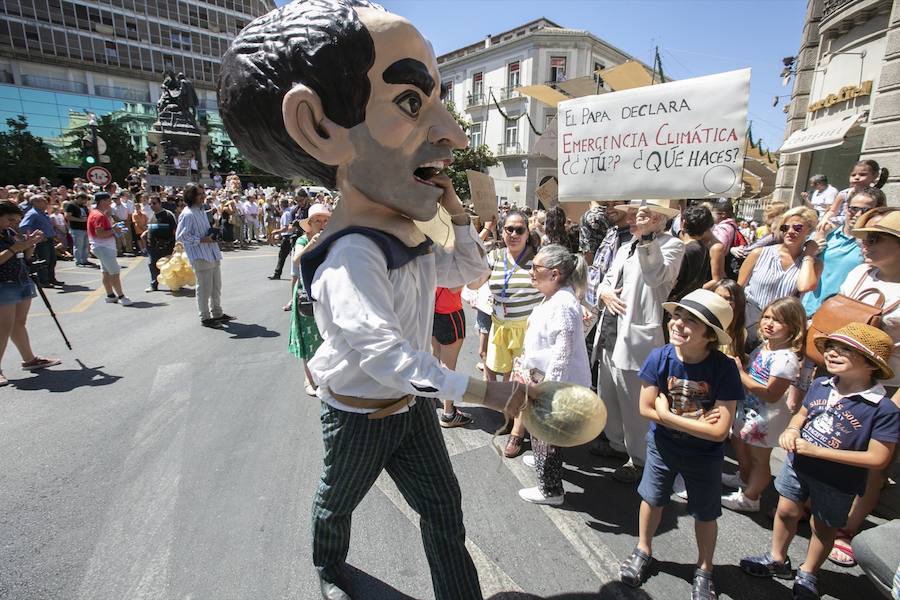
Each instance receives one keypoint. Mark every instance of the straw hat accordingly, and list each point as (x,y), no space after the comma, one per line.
(314,210)
(663,207)
(871,342)
(889,223)
(710,308)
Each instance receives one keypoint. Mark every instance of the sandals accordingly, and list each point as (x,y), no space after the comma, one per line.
(766,566)
(513,446)
(39,363)
(842,546)
(635,569)
(704,588)
(806,587)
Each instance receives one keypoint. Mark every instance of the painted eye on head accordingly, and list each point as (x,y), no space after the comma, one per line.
(409,102)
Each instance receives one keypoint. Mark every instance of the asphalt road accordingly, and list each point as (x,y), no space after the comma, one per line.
(163,460)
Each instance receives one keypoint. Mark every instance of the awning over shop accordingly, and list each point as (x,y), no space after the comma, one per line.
(820,136)
(630,74)
(543,93)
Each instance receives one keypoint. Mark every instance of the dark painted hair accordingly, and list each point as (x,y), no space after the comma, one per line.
(318,43)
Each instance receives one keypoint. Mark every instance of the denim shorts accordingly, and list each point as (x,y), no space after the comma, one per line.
(702,478)
(13,292)
(827,504)
(483,322)
(107,257)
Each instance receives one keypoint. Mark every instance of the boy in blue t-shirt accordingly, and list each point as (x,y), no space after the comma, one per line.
(846,426)
(689,394)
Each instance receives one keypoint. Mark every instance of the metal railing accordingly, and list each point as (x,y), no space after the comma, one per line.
(508,93)
(112,91)
(51,83)
(832,6)
(475,99)
(514,149)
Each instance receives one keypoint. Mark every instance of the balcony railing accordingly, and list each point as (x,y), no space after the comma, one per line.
(475,99)
(508,93)
(51,83)
(112,91)
(514,149)
(832,6)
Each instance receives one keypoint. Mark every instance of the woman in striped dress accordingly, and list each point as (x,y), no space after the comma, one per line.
(513,297)
(786,269)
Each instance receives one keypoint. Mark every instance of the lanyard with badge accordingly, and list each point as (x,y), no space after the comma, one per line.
(507,275)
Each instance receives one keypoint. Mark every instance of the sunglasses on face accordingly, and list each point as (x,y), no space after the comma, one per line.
(798,227)
(515,230)
(856,209)
(873,238)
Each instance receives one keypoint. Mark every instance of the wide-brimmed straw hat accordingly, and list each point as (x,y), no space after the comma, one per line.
(663,207)
(710,308)
(871,342)
(314,210)
(889,224)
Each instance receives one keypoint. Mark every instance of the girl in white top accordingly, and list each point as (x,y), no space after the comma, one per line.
(763,414)
(554,350)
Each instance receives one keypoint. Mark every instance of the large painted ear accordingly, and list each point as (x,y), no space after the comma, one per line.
(306,123)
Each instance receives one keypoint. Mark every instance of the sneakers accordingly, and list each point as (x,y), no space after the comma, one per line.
(211,323)
(766,566)
(125,301)
(733,480)
(223,317)
(536,496)
(628,473)
(528,460)
(738,502)
(602,447)
(152,288)
(112,300)
(457,419)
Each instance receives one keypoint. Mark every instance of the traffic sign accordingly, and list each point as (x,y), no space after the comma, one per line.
(99,176)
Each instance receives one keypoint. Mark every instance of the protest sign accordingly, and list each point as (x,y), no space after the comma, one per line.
(547,143)
(483,194)
(683,139)
(548,193)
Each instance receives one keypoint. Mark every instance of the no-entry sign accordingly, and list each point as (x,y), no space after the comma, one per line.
(99,176)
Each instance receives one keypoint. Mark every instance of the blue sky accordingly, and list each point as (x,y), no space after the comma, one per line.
(696,37)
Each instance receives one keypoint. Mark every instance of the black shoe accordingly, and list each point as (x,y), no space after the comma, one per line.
(332,591)
(211,323)
(58,283)
(223,317)
(273,277)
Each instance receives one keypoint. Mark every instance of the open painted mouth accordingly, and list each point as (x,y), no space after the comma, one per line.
(426,172)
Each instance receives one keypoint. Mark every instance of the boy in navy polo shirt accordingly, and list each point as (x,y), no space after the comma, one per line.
(689,394)
(846,426)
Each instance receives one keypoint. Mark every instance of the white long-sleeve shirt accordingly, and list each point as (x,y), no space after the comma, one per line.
(554,340)
(376,324)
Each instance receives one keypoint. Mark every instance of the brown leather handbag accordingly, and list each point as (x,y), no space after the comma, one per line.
(839,310)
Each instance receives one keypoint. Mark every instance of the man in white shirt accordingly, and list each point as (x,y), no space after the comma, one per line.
(120,213)
(823,194)
(251,214)
(371,274)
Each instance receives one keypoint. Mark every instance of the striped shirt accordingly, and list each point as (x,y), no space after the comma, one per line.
(193,225)
(769,282)
(510,285)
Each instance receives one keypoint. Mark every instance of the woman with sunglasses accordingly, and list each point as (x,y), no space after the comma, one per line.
(842,251)
(786,269)
(513,297)
(879,230)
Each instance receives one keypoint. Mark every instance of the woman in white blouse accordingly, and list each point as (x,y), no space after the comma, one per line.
(554,350)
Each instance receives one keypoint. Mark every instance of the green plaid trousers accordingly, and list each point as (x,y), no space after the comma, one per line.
(411,448)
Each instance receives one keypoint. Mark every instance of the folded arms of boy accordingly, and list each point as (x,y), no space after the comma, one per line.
(714,425)
(877,455)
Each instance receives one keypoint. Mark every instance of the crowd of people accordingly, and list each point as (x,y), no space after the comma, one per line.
(698,331)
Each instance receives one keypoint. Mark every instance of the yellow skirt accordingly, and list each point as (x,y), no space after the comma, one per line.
(505,343)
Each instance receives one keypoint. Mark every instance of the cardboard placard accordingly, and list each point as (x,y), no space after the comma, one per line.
(548,193)
(684,139)
(547,143)
(483,194)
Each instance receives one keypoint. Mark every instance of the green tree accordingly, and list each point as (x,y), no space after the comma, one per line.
(24,158)
(478,158)
(119,148)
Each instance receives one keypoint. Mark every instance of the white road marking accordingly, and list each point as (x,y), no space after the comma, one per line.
(131,557)
(493,579)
